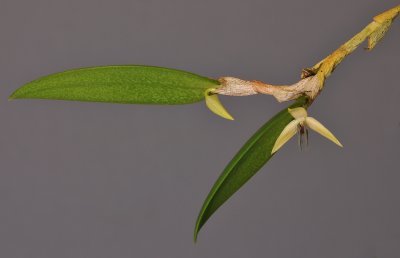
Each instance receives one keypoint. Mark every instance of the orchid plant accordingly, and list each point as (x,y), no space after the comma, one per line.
(136,84)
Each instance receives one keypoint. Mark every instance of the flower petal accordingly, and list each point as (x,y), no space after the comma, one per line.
(213,103)
(322,130)
(298,112)
(288,132)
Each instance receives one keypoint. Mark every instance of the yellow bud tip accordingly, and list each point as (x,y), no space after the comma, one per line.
(213,103)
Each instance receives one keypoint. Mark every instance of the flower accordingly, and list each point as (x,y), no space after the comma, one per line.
(299,124)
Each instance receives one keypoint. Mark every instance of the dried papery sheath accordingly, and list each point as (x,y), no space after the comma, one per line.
(309,86)
(377,36)
(231,86)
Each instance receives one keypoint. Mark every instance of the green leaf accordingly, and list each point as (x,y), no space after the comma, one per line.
(250,158)
(133,84)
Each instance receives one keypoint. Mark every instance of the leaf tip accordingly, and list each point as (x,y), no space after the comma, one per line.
(12,97)
(196,230)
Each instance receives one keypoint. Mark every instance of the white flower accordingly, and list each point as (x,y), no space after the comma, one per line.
(299,124)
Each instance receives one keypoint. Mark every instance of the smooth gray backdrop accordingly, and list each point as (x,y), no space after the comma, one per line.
(83,180)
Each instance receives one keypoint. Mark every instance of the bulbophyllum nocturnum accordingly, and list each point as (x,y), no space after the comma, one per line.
(137,84)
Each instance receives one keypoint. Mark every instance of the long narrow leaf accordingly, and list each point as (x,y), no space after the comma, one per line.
(133,84)
(250,158)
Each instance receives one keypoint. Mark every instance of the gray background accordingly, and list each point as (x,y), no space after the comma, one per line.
(104,180)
